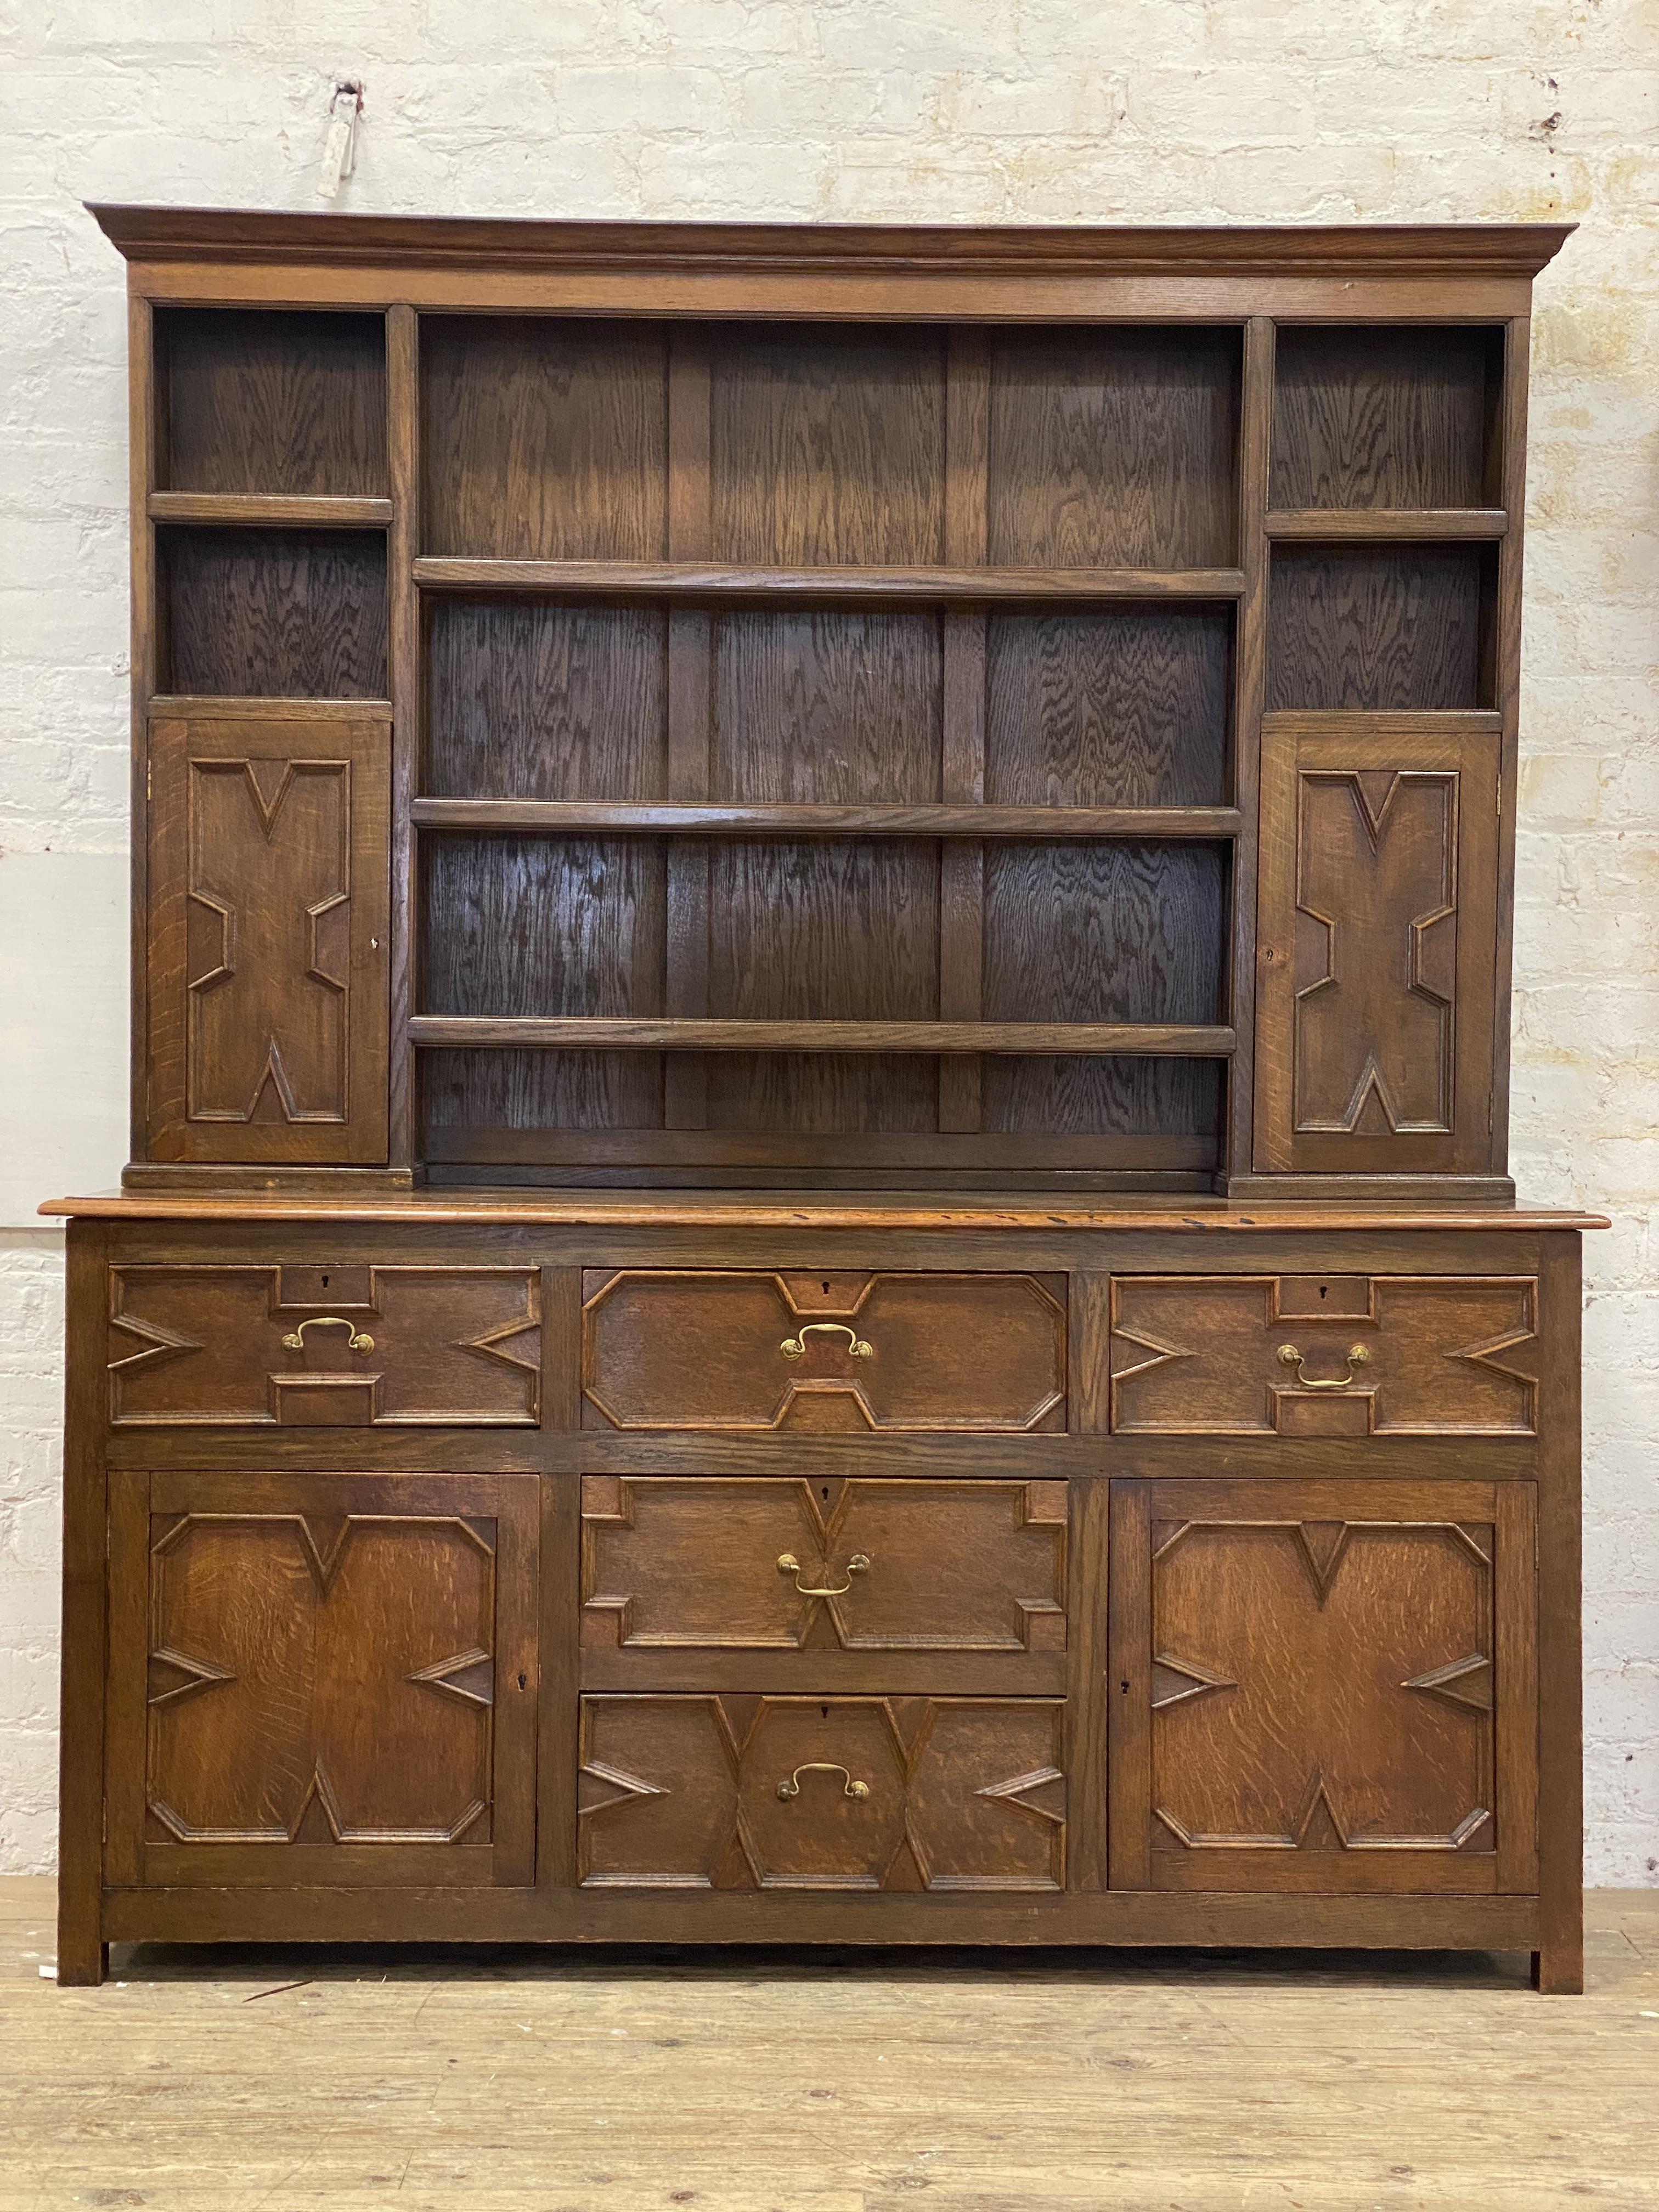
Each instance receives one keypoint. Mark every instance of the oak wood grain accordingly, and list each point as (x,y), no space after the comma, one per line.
(544,438)
(289,403)
(1112,447)
(531,702)
(827,445)
(1202,1041)
(825,708)
(1125,707)
(249,613)
(1114,931)
(564,927)
(1376,627)
(872,584)
(1382,418)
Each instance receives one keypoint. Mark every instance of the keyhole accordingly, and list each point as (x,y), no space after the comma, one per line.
(1321,1290)
(324,1282)
(826,1493)
(1124,1687)
(826,1289)
(824,1710)
(524,1681)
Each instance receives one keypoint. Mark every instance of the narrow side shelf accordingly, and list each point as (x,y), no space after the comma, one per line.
(1387,524)
(272,510)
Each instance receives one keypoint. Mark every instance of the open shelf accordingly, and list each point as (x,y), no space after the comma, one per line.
(1388,525)
(271,510)
(637,1034)
(1380,627)
(288,613)
(1386,417)
(1045,824)
(711,581)
(543,438)
(270,401)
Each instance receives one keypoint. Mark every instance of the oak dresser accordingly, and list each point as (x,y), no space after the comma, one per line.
(818,1244)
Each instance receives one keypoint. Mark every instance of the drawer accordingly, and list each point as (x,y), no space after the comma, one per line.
(710,1563)
(831,1793)
(348,1347)
(1325,1355)
(826,1352)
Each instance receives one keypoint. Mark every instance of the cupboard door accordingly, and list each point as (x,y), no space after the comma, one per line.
(320,1680)
(267,959)
(835,1793)
(1324,1685)
(1376,986)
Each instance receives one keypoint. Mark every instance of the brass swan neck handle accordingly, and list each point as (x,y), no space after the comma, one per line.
(789,1565)
(1358,1354)
(793,1347)
(790,1788)
(296,1341)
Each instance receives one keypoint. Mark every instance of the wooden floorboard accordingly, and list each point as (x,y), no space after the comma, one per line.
(524,2081)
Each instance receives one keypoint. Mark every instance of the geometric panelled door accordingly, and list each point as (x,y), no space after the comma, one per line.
(1323,1684)
(1376,978)
(341,1664)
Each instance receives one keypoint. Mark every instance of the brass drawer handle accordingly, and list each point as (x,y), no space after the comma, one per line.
(359,1342)
(792,1787)
(789,1565)
(1358,1356)
(793,1347)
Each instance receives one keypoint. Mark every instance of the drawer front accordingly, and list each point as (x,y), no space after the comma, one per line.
(809,1793)
(1325,1355)
(708,1563)
(347,1347)
(836,1352)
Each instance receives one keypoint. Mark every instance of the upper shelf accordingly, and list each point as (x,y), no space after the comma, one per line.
(1040,824)
(701,579)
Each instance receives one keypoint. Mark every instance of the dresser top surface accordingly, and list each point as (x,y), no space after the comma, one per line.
(790,1209)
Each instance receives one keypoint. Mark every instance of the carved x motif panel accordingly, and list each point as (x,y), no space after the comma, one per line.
(1322,1686)
(320,1680)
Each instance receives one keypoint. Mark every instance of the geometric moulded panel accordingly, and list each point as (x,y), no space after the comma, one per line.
(324,1678)
(1324,1684)
(267,942)
(1378,920)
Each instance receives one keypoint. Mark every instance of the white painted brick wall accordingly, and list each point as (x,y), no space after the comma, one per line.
(1044,111)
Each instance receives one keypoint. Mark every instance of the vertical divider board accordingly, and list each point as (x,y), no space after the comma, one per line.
(405,630)
(1506,696)
(685,1075)
(962,780)
(143,430)
(1249,690)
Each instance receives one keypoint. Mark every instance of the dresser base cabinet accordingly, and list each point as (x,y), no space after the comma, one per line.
(1252,1649)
